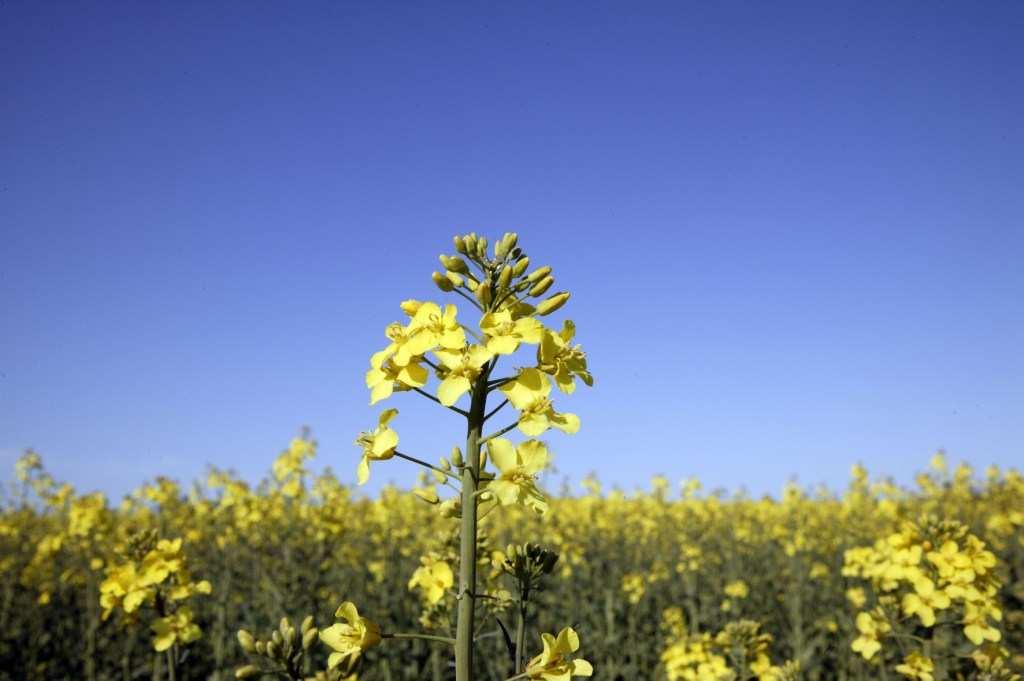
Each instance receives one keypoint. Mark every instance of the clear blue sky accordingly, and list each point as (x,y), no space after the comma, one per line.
(795,232)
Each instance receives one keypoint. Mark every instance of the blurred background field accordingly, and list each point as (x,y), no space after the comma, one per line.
(641,576)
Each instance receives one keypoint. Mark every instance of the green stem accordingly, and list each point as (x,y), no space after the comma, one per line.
(431,397)
(425,637)
(413,459)
(467,535)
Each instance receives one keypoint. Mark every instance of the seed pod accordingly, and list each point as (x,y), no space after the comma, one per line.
(541,287)
(520,266)
(249,671)
(246,640)
(309,638)
(538,274)
(442,282)
(553,303)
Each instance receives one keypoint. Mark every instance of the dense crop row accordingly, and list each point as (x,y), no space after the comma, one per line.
(658,585)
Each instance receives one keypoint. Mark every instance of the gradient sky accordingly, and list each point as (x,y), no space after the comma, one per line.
(794,231)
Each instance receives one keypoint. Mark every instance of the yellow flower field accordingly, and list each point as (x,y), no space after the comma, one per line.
(880,582)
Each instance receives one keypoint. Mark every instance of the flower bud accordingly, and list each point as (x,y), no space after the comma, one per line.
(445,464)
(309,638)
(483,293)
(456,279)
(249,671)
(427,494)
(273,649)
(284,627)
(520,266)
(454,264)
(246,640)
(276,638)
(505,277)
(261,648)
(457,459)
(538,274)
(411,306)
(541,287)
(307,623)
(442,282)
(460,244)
(481,247)
(553,303)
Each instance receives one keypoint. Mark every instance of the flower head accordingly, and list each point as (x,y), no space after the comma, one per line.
(377,445)
(350,638)
(518,467)
(528,393)
(554,664)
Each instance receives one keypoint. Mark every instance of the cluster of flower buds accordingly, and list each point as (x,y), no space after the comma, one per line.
(527,564)
(281,653)
(502,280)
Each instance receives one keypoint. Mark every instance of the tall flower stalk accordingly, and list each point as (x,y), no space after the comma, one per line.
(510,301)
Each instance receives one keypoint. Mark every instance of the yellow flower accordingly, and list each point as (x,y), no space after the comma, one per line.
(377,445)
(161,562)
(870,628)
(554,664)
(504,334)
(381,380)
(122,589)
(434,577)
(563,361)
(737,589)
(917,666)
(925,600)
(433,328)
(461,368)
(528,393)
(175,628)
(349,639)
(517,472)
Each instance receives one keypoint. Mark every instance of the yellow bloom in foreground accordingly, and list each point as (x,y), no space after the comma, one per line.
(518,467)
(504,334)
(122,589)
(433,328)
(554,664)
(175,628)
(381,380)
(557,357)
(528,393)
(461,367)
(349,639)
(434,577)
(917,666)
(377,445)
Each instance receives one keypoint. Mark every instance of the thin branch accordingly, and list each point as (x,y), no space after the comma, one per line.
(413,459)
(431,397)
(498,382)
(471,300)
(472,333)
(495,410)
(500,432)
(425,637)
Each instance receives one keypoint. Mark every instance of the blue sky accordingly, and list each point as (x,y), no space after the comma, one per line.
(794,231)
